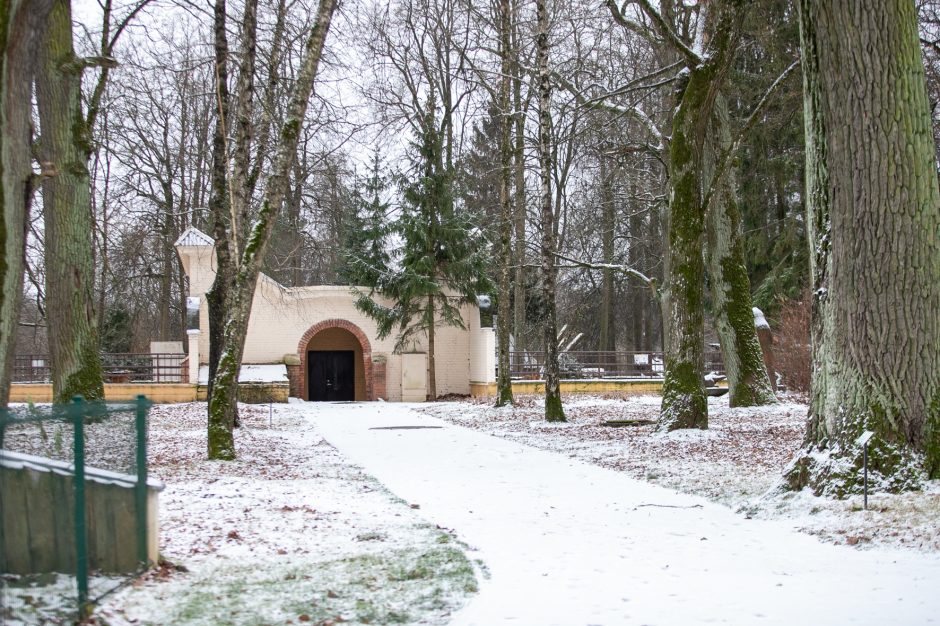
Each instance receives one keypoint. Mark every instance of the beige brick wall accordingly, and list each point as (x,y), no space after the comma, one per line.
(280,316)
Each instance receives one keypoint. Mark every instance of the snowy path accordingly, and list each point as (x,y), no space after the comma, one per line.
(573,544)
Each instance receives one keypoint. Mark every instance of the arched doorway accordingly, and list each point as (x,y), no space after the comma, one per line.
(335,362)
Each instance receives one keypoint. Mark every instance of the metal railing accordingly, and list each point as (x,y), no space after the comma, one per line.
(118,367)
(587,364)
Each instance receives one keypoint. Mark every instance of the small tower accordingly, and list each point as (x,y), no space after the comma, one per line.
(197,253)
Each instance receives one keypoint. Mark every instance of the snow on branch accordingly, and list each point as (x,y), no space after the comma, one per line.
(692,59)
(634,112)
(625,269)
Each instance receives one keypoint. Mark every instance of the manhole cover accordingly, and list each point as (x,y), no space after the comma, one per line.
(404,427)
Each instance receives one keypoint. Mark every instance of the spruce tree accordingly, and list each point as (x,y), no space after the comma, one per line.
(364,256)
(440,263)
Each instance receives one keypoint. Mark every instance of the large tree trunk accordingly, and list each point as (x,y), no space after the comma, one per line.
(873,214)
(70,278)
(553,409)
(20,22)
(684,401)
(223,403)
(748,380)
(504,321)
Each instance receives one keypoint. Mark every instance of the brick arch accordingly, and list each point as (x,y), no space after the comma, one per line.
(356,332)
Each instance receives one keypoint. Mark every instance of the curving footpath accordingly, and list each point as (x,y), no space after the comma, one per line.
(572,544)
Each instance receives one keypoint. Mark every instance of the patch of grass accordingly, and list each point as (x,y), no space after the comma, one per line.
(391,587)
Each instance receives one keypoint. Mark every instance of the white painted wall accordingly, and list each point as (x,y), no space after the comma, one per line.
(280,316)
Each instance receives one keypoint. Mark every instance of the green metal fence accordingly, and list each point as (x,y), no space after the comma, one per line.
(73,499)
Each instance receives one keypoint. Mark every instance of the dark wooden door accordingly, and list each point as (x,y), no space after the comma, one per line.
(331,375)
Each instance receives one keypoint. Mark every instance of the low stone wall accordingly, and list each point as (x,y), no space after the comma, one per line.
(37,530)
(160,393)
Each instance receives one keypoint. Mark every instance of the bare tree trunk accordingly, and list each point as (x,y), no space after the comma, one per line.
(748,380)
(70,277)
(607,340)
(553,408)
(519,196)
(217,296)
(432,365)
(241,185)
(222,405)
(873,214)
(504,382)
(19,36)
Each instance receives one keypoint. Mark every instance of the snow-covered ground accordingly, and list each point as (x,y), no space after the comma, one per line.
(298,531)
(735,462)
(291,532)
(571,543)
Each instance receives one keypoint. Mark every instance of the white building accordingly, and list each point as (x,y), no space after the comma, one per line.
(329,349)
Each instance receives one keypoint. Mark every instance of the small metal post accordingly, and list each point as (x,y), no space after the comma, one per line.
(140,491)
(81,537)
(865,474)
(863,441)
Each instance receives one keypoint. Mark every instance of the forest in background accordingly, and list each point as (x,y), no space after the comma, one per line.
(151,167)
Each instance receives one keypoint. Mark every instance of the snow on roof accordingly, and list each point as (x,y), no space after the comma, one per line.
(194,237)
(251,373)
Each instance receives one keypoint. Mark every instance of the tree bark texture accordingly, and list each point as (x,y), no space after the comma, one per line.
(873,214)
(608,338)
(684,402)
(66,145)
(217,296)
(504,318)
(519,195)
(223,404)
(432,364)
(748,381)
(20,24)
(553,408)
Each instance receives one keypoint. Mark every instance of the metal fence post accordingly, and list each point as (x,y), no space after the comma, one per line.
(140,492)
(81,537)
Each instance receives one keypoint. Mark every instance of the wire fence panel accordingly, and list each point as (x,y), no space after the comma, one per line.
(73,505)
(593,364)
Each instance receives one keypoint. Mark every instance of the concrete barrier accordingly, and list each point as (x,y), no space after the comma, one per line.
(37,523)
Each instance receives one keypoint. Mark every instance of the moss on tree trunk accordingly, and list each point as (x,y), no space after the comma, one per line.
(748,381)
(69,255)
(684,402)
(873,218)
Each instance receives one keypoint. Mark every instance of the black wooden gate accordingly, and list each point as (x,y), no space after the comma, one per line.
(331,375)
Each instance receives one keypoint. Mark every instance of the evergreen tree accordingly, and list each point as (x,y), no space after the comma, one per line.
(441,260)
(365,258)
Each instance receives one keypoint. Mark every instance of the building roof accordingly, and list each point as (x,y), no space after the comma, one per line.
(194,237)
